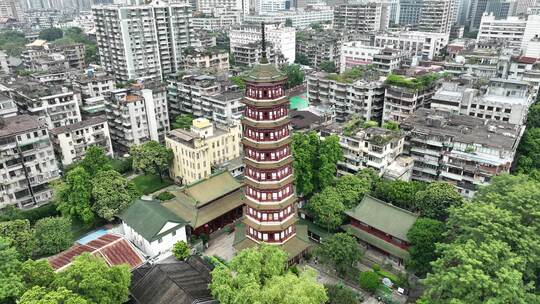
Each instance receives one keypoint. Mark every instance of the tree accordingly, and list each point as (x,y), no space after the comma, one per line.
(183,121)
(238,80)
(151,158)
(112,193)
(95,160)
(434,201)
(369,124)
(73,195)
(295,76)
(41,295)
(51,34)
(304,149)
(533,117)
(352,189)
(391,125)
(529,148)
(258,275)
(399,193)
(301,59)
(341,251)
(316,26)
(181,250)
(327,209)
(423,236)
(11,283)
(37,273)
(370,281)
(95,281)
(53,234)
(476,273)
(328,66)
(288,22)
(21,236)
(328,156)
(339,294)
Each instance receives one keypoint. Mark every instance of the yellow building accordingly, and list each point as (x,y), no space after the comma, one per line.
(197,150)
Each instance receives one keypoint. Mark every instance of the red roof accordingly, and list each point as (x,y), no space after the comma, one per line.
(528,60)
(454,49)
(114,249)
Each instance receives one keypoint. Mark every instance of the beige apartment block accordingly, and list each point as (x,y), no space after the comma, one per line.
(204,146)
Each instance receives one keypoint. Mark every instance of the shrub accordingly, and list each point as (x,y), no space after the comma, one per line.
(369,281)
(204,237)
(165,196)
(294,269)
(181,250)
(339,294)
(376,267)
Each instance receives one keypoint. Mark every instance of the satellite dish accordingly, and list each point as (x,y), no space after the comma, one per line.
(387,282)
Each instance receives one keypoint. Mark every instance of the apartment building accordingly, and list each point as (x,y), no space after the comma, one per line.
(374,148)
(204,146)
(481,63)
(363,97)
(388,60)
(142,40)
(27,165)
(452,95)
(212,97)
(300,18)
(217,21)
(209,6)
(92,85)
(401,101)
(282,39)
(70,142)
(137,114)
(250,54)
(356,53)
(438,16)
(56,105)
(319,47)
(212,60)
(459,149)
(508,31)
(424,44)
(8,108)
(526,69)
(12,9)
(409,12)
(364,17)
(41,56)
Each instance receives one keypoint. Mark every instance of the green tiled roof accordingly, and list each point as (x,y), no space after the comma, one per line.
(376,242)
(384,217)
(211,188)
(147,218)
(266,72)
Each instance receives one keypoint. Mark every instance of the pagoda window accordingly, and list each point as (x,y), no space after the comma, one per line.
(276,236)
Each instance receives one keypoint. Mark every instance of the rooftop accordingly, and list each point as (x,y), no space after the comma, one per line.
(11,126)
(384,217)
(79,125)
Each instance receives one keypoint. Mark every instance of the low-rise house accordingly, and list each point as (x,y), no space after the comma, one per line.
(71,141)
(382,227)
(213,59)
(151,227)
(112,248)
(8,108)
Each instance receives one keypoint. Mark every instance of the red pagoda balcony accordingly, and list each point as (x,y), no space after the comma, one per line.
(266,114)
(267,155)
(271,237)
(276,195)
(261,135)
(265,92)
(270,215)
(269,174)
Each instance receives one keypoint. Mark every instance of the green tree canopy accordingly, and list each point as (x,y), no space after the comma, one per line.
(529,148)
(434,201)
(328,66)
(95,160)
(183,121)
(112,193)
(399,193)
(21,236)
(370,124)
(151,158)
(11,282)
(369,280)
(41,295)
(295,76)
(51,34)
(181,250)
(290,288)
(352,189)
(301,59)
(73,195)
(95,281)
(423,236)
(327,208)
(328,156)
(339,294)
(341,251)
(37,273)
(53,234)
(12,42)
(391,125)
(305,150)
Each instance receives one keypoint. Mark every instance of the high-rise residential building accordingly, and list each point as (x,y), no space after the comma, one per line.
(266,6)
(318,47)
(203,147)
(301,18)
(459,149)
(27,165)
(270,213)
(501,9)
(424,44)
(12,9)
(209,6)
(437,16)
(71,142)
(250,54)
(137,114)
(42,56)
(409,12)
(366,17)
(508,31)
(142,40)
(281,37)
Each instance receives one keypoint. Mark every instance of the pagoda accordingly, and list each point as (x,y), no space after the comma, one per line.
(270,212)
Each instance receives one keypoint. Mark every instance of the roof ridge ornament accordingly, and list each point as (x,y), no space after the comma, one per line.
(264,59)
